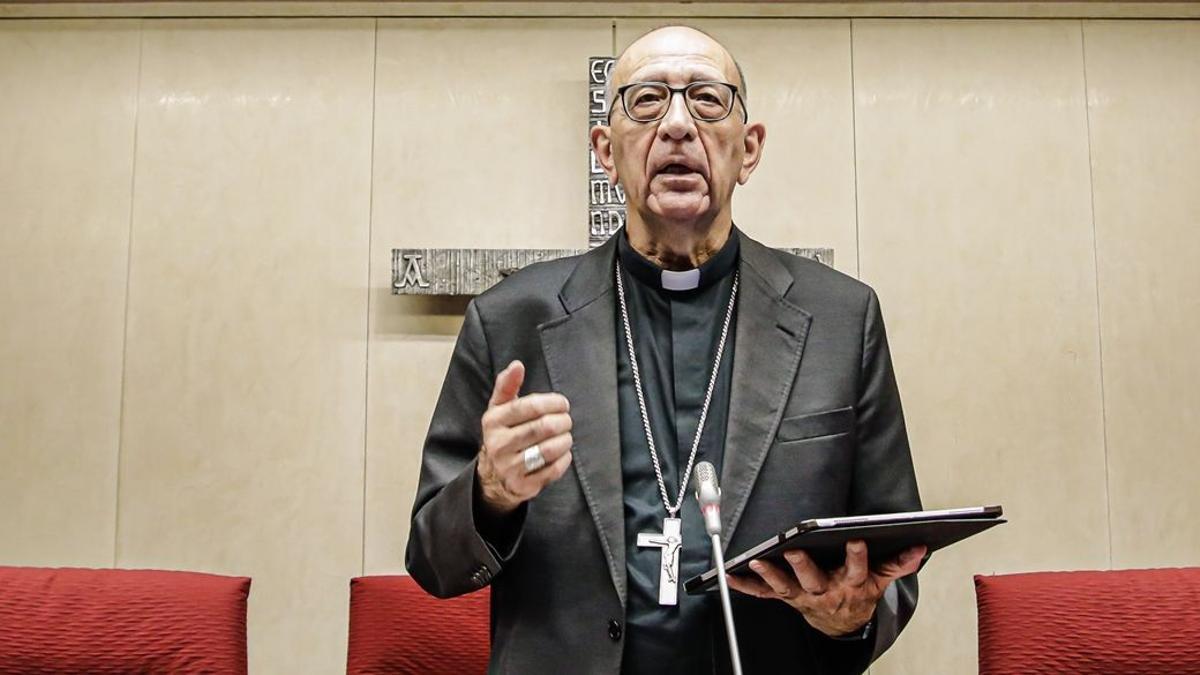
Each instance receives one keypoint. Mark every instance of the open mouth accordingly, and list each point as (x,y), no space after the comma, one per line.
(677,169)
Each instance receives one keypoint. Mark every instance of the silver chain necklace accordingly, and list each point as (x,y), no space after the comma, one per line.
(637,380)
(670,540)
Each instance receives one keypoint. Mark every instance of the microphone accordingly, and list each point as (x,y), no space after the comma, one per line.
(708,494)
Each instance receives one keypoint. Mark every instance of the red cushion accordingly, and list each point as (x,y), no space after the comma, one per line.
(121,621)
(1090,623)
(395,627)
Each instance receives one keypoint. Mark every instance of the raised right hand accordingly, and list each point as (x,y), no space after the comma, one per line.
(510,425)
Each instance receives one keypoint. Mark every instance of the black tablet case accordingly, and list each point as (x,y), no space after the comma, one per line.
(827,546)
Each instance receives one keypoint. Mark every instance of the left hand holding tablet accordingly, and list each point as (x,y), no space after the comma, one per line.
(837,602)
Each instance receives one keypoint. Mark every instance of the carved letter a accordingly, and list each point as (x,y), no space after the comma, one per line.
(412,271)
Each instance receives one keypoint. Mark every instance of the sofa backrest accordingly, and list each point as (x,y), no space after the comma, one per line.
(103,621)
(1090,623)
(396,628)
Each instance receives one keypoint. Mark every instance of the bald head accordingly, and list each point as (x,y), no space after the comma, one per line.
(671,43)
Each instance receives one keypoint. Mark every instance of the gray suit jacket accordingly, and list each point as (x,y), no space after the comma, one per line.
(815,429)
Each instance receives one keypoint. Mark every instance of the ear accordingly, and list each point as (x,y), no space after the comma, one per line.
(601,136)
(755,138)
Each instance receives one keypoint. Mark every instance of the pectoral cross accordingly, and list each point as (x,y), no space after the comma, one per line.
(670,541)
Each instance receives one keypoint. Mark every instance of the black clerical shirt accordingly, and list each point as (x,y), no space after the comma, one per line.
(675,333)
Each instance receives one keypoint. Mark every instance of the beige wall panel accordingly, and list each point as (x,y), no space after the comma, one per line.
(406,376)
(66,161)
(480,141)
(975,228)
(798,72)
(245,385)
(1144,99)
(481,132)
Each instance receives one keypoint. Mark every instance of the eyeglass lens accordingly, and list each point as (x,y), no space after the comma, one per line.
(708,101)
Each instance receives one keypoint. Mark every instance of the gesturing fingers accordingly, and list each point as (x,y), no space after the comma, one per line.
(555,469)
(534,431)
(526,441)
(551,449)
(508,383)
(528,485)
(517,411)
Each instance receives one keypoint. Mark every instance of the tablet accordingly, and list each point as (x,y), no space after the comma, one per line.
(886,534)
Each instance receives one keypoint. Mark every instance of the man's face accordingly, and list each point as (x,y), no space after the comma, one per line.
(678,169)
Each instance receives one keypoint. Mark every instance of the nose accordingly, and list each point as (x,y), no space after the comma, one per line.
(677,124)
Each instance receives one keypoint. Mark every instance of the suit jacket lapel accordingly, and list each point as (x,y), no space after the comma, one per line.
(770,337)
(581,358)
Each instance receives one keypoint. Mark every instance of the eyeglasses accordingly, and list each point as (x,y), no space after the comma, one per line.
(706,101)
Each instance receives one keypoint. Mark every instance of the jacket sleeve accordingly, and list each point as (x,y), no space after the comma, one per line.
(884,481)
(447,554)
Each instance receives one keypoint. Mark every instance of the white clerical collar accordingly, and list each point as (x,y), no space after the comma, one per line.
(681,281)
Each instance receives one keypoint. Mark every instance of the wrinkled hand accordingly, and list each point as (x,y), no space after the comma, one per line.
(838,602)
(510,425)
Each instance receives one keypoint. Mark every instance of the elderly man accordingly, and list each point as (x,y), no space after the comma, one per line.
(582,392)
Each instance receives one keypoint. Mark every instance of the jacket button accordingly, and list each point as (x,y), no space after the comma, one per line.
(614,629)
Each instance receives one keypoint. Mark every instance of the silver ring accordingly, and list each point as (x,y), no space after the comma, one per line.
(533,458)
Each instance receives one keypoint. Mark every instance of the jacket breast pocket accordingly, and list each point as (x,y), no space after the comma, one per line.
(816,425)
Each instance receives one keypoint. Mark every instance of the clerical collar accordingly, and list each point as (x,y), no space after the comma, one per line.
(645,271)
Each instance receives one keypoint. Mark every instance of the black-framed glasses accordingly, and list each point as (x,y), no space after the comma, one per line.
(706,101)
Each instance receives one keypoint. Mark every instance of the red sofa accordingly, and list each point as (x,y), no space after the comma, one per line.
(397,628)
(108,621)
(1126,622)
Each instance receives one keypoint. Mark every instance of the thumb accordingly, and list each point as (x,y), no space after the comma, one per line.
(508,383)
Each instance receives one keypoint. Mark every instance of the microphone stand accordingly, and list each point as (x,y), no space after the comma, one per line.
(708,495)
(726,607)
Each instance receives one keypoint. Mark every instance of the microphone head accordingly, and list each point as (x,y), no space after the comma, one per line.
(708,494)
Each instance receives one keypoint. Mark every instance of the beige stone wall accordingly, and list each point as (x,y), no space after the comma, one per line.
(201,366)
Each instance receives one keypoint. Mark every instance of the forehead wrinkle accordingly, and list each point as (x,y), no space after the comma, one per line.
(670,67)
(667,58)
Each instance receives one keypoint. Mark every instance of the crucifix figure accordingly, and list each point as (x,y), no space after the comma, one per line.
(670,541)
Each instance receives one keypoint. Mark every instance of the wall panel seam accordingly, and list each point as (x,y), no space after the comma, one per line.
(137,107)
(854,155)
(1087,116)
(369,289)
